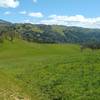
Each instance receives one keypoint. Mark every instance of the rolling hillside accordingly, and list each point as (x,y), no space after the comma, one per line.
(49,50)
(48,33)
(33,71)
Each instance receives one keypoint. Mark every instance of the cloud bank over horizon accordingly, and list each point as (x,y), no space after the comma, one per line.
(76,20)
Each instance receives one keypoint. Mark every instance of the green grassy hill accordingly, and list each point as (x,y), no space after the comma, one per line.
(31,71)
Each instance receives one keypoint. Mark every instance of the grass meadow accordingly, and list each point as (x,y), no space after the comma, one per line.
(32,71)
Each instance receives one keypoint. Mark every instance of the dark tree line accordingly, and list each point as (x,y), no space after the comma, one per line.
(7,33)
(90,45)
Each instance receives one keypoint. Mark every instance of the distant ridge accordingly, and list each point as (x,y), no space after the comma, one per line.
(42,33)
(3,22)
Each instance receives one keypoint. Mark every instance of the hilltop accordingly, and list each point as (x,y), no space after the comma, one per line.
(49,33)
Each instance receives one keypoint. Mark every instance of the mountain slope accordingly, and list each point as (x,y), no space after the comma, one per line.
(57,34)
(49,33)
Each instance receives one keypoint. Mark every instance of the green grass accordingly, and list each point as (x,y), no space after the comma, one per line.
(32,71)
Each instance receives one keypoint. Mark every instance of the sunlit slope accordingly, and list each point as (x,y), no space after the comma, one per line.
(32,71)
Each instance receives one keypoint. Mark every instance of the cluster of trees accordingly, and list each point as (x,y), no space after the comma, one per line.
(7,31)
(92,45)
(57,34)
(39,33)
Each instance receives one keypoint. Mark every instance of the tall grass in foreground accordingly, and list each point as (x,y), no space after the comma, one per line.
(33,71)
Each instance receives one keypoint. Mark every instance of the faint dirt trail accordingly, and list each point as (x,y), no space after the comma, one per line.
(10,90)
(6,94)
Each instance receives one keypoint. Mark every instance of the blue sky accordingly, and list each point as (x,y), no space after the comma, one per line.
(84,13)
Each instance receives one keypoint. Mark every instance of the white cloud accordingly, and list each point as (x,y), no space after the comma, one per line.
(34,1)
(23,12)
(36,14)
(77,20)
(32,14)
(27,21)
(9,3)
(7,13)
